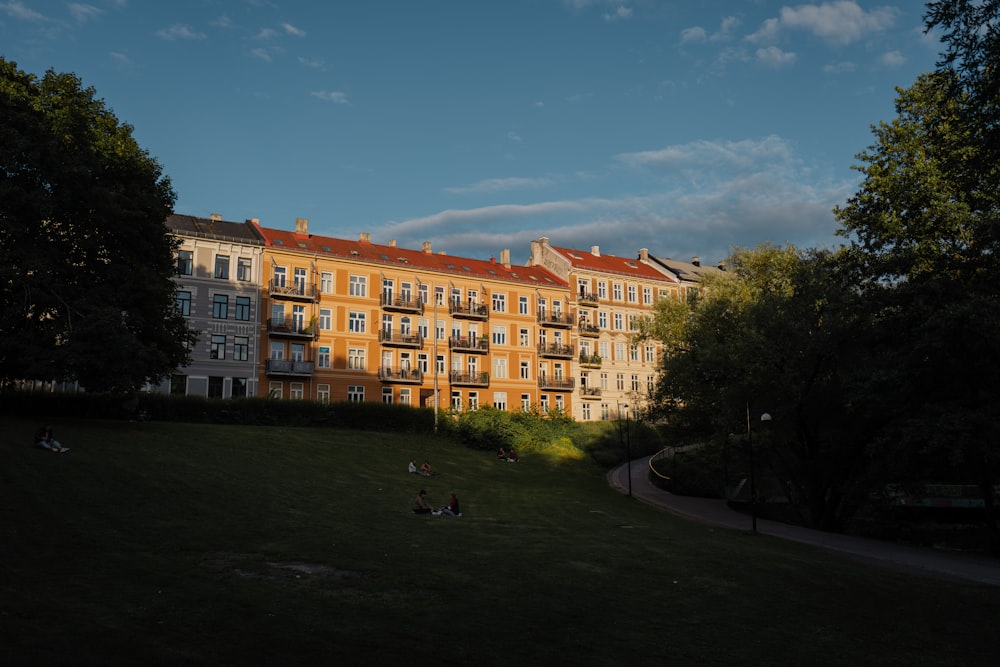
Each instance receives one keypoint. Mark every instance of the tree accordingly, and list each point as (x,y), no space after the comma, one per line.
(86,260)
(924,232)
(772,334)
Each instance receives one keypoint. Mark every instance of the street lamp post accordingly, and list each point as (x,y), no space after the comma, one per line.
(753,485)
(627,442)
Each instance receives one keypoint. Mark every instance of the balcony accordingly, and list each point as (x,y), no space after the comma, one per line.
(401,375)
(590,393)
(469,311)
(390,339)
(398,305)
(556,384)
(588,330)
(556,319)
(555,350)
(587,299)
(295,292)
(479,345)
(289,368)
(481,379)
(291,328)
(590,360)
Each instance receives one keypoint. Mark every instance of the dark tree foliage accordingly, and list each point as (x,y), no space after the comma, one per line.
(85,257)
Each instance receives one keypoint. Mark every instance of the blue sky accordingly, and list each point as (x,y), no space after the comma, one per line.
(684,127)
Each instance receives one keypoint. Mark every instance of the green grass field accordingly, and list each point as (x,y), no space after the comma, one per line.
(165,544)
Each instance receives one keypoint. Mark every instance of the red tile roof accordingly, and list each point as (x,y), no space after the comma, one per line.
(397,257)
(588,261)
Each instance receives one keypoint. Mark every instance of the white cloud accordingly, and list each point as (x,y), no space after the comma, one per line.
(694,34)
(82,12)
(740,155)
(334,96)
(121,58)
(772,56)
(842,67)
(620,13)
(893,59)
(314,64)
(261,54)
(500,185)
(19,11)
(840,22)
(179,31)
(515,137)
(292,30)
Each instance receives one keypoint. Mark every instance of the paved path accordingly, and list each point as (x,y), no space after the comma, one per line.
(716,512)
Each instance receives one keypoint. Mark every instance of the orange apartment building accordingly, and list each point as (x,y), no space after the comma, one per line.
(361,321)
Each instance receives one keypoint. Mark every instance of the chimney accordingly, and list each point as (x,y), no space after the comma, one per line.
(505,258)
(696,261)
(392,243)
(364,237)
(215,217)
(595,250)
(643,254)
(302,226)
(427,247)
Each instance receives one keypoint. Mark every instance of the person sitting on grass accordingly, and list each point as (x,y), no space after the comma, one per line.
(425,469)
(451,509)
(412,468)
(501,454)
(511,456)
(421,506)
(46,440)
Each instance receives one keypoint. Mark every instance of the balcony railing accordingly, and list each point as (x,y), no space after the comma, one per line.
(295,290)
(479,344)
(415,306)
(289,368)
(590,360)
(481,379)
(395,339)
(468,311)
(587,299)
(590,392)
(291,328)
(405,375)
(555,350)
(589,330)
(556,319)
(556,384)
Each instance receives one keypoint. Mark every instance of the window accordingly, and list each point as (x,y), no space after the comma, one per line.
(239,388)
(423,363)
(355,393)
(405,396)
(619,351)
(500,368)
(605,349)
(585,411)
(222,267)
(650,354)
(184,303)
(633,294)
(423,328)
(605,412)
(244,269)
(439,364)
(277,351)
(499,303)
(524,338)
(323,393)
(647,296)
(618,321)
(456,400)
(298,352)
(635,383)
(544,403)
(499,335)
(241,348)
(616,290)
(243,308)
(525,370)
(300,280)
(439,330)
(356,358)
(523,305)
(218,347)
(185,262)
(633,353)
(280,273)
(500,400)
(602,290)
(358,286)
(560,403)
(439,296)
(620,382)
(356,322)
(220,306)
(215,386)
(602,320)
(296,391)
(387,395)
(604,381)
(326,282)
(325,319)
(323,357)
(422,294)
(525,402)
(275,390)
(473,400)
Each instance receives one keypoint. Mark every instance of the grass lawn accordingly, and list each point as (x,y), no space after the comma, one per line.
(164,544)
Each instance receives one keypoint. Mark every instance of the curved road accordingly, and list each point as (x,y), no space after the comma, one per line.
(716,512)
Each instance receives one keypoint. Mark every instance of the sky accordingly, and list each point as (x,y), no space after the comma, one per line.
(687,128)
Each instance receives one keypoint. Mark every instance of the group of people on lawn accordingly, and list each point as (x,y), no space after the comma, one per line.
(423,506)
(509,455)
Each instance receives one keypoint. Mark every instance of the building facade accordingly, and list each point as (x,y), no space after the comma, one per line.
(218,291)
